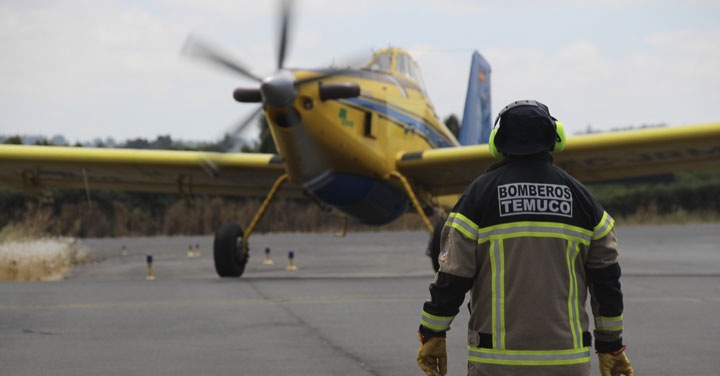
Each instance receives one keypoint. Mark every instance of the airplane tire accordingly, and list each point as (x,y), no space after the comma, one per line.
(434,246)
(227,251)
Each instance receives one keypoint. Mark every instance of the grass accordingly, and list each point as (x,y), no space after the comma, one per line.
(650,216)
(28,254)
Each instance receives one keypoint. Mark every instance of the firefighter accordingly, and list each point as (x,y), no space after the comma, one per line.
(529,242)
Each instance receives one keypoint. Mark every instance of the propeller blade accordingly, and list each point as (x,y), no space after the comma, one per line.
(284,29)
(235,132)
(195,48)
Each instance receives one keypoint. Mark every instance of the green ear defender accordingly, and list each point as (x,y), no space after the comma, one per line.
(491,144)
(559,137)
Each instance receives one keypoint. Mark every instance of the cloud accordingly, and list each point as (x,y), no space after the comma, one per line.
(672,78)
(91,69)
(687,42)
(87,70)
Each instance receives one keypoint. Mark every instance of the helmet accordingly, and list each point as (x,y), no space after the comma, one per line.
(526,127)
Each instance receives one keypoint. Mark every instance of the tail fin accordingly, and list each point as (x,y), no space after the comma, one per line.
(475,128)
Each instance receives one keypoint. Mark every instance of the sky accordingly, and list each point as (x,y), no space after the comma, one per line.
(96,69)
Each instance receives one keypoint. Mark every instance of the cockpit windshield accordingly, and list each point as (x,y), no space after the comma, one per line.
(404,64)
(382,62)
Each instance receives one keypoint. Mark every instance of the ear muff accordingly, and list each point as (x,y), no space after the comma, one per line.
(560,139)
(491,144)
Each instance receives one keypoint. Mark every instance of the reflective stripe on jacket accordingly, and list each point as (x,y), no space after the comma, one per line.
(529,241)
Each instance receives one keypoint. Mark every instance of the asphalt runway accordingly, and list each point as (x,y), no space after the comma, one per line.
(352,308)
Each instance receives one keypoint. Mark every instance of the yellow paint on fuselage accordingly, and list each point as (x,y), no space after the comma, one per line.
(341,136)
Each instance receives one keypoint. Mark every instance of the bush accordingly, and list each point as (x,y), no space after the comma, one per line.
(694,197)
(694,192)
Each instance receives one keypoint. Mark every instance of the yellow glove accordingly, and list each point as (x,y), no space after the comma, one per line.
(432,356)
(615,363)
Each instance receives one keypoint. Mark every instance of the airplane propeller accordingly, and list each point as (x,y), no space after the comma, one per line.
(284,26)
(235,132)
(278,89)
(194,47)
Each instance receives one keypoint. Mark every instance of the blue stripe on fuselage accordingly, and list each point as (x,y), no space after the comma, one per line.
(435,139)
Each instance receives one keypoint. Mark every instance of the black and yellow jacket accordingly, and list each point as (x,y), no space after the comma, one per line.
(529,241)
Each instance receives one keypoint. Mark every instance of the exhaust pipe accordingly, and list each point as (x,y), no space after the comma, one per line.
(339,90)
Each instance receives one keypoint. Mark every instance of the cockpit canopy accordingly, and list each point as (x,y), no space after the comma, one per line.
(396,60)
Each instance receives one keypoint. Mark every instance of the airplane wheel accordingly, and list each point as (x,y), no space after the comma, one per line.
(227,251)
(434,246)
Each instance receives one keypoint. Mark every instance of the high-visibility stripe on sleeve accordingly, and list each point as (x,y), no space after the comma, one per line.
(529,357)
(612,324)
(603,228)
(436,323)
(462,224)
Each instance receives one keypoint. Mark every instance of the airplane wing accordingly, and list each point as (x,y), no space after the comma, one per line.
(589,158)
(183,172)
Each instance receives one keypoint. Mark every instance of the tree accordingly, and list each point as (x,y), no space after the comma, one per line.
(138,143)
(453,124)
(227,143)
(162,142)
(267,144)
(14,140)
(43,142)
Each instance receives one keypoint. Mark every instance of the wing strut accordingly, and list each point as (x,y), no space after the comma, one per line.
(413,198)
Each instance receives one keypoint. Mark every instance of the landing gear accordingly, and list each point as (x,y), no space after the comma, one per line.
(413,198)
(230,250)
(433,249)
(228,253)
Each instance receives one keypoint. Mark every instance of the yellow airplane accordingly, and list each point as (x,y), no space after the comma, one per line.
(364,141)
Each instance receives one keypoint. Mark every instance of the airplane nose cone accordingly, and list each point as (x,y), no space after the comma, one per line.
(279,89)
